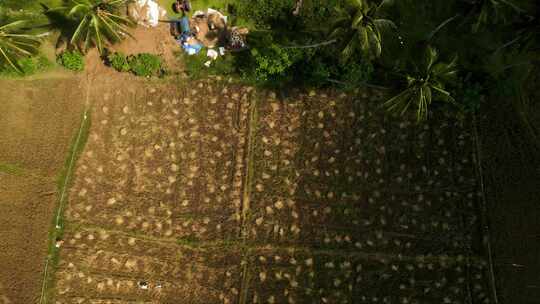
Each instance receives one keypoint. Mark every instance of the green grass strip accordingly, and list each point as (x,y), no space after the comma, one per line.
(11,169)
(248,179)
(64,182)
(246,197)
(486,242)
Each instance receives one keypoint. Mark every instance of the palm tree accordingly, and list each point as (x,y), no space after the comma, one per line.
(98,23)
(425,85)
(491,11)
(358,27)
(15,43)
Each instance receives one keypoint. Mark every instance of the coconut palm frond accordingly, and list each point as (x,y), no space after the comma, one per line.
(16,44)
(375,42)
(384,24)
(430,57)
(439,27)
(425,86)
(493,11)
(98,23)
(359,20)
(400,103)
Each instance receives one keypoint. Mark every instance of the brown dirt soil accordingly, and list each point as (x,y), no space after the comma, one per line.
(340,199)
(38,119)
(153,40)
(26,205)
(163,165)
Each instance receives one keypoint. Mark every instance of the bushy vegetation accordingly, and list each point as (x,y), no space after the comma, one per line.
(119,62)
(27,66)
(16,43)
(90,23)
(492,45)
(481,47)
(71,60)
(143,64)
(195,65)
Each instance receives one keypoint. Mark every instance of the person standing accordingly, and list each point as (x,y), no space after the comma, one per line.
(183,6)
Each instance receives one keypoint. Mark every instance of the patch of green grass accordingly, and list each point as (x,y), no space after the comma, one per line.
(145,64)
(11,169)
(195,68)
(64,182)
(220,5)
(189,241)
(28,5)
(226,7)
(29,66)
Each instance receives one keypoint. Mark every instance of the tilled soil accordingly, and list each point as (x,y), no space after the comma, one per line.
(190,194)
(162,172)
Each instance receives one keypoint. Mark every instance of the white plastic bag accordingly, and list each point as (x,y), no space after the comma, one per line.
(212,54)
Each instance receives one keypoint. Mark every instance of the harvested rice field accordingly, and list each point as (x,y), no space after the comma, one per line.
(219,193)
(34,142)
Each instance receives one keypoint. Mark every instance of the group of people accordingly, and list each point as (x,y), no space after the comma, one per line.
(205,29)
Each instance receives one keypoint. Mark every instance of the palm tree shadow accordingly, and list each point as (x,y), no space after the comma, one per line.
(58,20)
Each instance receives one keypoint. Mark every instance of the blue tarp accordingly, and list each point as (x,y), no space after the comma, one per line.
(192,49)
(182,25)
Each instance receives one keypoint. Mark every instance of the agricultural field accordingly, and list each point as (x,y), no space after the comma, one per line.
(35,138)
(214,192)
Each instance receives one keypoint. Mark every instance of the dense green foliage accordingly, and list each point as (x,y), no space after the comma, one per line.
(16,43)
(119,62)
(28,66)
(71,60)
(92,23)
(349,43)
(143,64)
(28,5)
(359,29)
(195,65)
(284,47)
(490,48)
(426,84)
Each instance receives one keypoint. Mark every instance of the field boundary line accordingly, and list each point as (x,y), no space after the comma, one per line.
(483,212)
(246,196)
(262,247)
(75,150)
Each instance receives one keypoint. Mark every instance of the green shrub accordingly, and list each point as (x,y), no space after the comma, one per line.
(266,13)
(145,65)
(472,97)
(119,62)
(72,60)
(357,72)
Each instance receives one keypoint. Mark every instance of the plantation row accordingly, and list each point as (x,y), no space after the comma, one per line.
(215,193)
